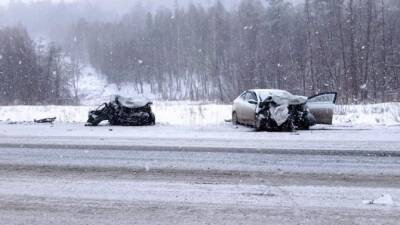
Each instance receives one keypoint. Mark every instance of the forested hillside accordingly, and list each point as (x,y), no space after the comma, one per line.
(31,73)
(214,52)
(352,47)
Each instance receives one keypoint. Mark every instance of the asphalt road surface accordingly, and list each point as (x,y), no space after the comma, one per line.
(59,178)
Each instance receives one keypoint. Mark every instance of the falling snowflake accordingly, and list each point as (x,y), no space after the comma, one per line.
(140,61)
(20,62)
(364,86)
(1,57)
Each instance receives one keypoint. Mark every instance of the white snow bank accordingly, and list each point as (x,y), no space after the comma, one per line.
(199,114)
(174,113)
(191,113)
(374,114)
(69,114)
(385,199)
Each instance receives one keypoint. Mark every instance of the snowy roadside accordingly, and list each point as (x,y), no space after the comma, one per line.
(200,114)
(387,114)
(172,113)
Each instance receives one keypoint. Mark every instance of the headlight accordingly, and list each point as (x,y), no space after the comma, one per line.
(261,116)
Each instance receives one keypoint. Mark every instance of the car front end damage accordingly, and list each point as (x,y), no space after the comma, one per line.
(278,114)
(123,112)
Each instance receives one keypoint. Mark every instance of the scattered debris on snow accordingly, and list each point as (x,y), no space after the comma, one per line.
(147,167)
(46,120)
(385,199)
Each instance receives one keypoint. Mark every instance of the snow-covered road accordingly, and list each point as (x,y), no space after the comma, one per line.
(226,138)
(71,174)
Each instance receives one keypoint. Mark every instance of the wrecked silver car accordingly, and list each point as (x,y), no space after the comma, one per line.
(123,112)
(279,110)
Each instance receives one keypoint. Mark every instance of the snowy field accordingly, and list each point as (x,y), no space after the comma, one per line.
(201,114)
(94,90)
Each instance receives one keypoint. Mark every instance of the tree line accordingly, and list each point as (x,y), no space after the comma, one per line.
(31,72)
(212,53)
(198,53)
(348,46)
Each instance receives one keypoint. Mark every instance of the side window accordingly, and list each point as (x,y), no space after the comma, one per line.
(252,96)
(244,96)
(329,97)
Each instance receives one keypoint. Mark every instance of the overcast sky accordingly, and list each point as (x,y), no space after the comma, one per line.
(5,2)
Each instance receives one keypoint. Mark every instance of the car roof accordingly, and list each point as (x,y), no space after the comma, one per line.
(279,96)
(272,91)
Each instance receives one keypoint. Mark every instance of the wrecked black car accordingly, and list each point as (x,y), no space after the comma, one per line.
(123,112)
(279,110)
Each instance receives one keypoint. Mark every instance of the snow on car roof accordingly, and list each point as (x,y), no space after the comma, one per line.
(264,93)
(280,96)
(136,102)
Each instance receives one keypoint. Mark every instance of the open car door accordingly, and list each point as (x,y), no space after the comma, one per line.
(322,107)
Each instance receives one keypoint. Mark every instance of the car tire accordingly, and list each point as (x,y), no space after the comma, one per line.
(307,121)
(235,120)
(152,119)
(288,125)
(260,125)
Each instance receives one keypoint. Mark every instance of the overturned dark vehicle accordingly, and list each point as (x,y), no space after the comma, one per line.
(279,110)
(123,112)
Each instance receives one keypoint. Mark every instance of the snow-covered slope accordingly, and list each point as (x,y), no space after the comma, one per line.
(94,88)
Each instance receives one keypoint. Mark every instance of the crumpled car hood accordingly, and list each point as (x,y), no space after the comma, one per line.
(132,103)
(281,97)
(121,111)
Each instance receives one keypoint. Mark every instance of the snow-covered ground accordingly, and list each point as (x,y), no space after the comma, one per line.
(94,90)
(173,113)
(200,114)
(373,114)
(193,164)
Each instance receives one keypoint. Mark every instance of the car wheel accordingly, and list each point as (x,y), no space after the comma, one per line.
(260,125)
(152,119)
(307,121)
(235,120)
(288,125)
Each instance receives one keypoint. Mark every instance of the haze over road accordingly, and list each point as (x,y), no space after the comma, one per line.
(52,177)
